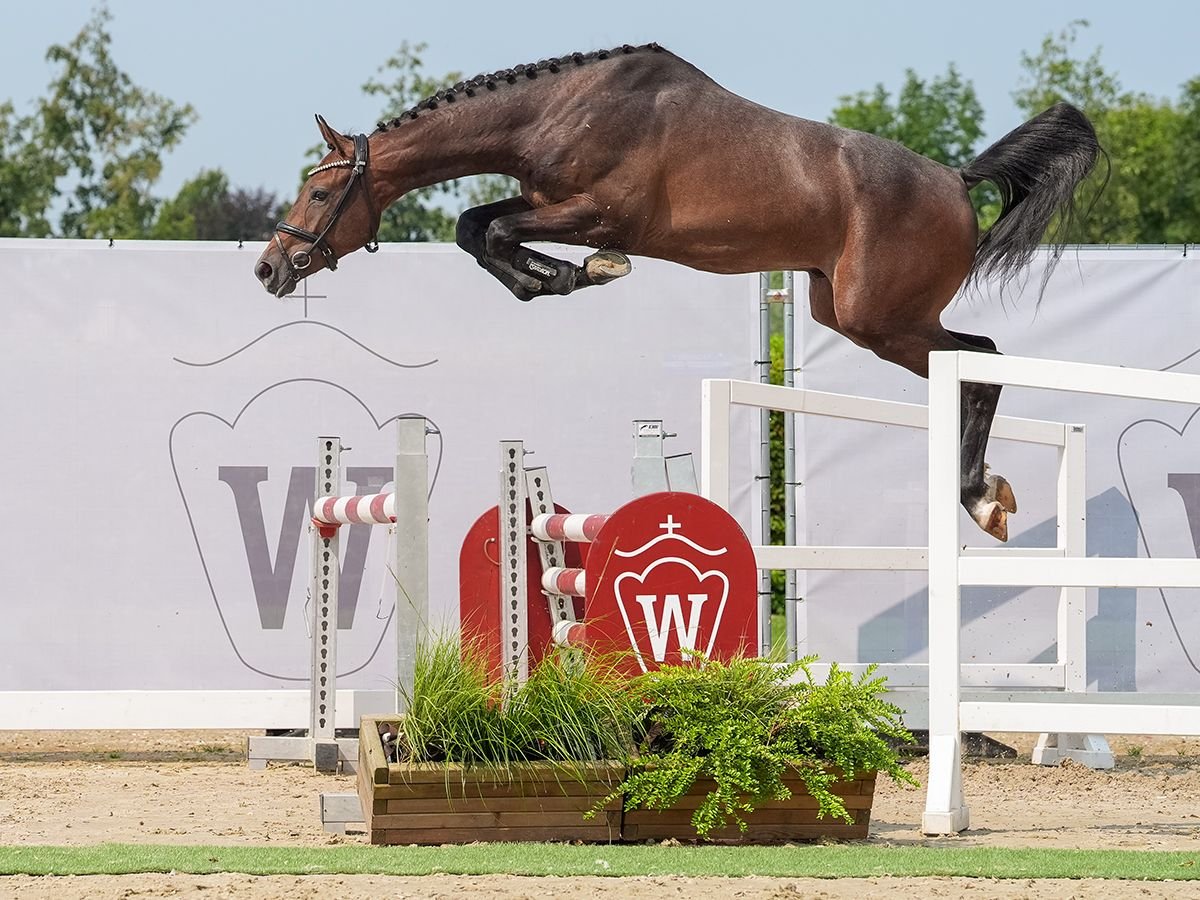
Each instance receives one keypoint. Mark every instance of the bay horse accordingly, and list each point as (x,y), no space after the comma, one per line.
(635,151)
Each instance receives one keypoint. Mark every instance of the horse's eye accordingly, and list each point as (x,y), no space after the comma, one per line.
(319,195)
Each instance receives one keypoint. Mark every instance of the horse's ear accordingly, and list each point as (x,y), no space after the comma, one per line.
(335,141)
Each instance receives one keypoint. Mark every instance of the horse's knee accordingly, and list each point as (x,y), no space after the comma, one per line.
(499,239)
(468,234)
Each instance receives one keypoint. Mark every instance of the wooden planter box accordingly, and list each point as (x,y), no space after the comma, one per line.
(776,820)
(443,803)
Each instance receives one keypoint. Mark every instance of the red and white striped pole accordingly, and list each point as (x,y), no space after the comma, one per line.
(369,509)
(578,528)
(564,581)
(570,634)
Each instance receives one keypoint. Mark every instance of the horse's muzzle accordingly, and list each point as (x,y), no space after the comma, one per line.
(273,277)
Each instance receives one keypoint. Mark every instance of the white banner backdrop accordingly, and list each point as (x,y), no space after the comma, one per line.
(866,484)
(161,418)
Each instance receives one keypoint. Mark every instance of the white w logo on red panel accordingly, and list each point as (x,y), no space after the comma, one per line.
(662,611)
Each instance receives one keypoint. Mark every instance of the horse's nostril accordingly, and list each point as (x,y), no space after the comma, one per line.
(263,270)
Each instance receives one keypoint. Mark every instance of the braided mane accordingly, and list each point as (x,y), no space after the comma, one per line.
(491,81)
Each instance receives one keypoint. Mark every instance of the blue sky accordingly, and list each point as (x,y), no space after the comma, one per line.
(256,72)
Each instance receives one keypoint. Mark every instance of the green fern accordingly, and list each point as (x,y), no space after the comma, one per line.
(749,724)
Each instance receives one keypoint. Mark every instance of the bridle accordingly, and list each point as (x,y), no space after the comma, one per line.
(302,259)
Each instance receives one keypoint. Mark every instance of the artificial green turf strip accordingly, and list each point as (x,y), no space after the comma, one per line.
(854,861)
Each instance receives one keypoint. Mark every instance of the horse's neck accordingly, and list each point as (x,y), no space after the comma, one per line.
(440,146)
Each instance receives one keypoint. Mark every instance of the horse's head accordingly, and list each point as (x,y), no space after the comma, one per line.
(334,215)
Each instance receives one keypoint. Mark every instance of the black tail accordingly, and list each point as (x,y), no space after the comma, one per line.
(1037,168)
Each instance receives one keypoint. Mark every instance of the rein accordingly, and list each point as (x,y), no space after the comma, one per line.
(302,259)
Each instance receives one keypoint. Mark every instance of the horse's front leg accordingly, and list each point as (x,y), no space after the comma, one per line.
(471,235)
(574,221)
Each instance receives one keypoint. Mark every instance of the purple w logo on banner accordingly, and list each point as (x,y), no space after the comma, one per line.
(273,580)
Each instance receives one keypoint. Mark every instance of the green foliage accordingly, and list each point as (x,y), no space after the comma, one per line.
(94,132)
(106,134)
(27,183)
(569,709)
(1153,194)
(208,209)
(750,723)
(572,708)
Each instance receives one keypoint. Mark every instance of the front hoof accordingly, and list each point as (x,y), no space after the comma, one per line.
(604,266)
(992,518)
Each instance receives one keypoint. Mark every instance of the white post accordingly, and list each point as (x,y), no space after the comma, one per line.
(945,810)
(714,440)
(1072,540)
(1052,748)
(411,485)
(323,600)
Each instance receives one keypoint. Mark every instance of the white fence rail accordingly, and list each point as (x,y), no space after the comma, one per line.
(949,568)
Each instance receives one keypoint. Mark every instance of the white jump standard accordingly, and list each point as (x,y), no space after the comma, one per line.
(406,510)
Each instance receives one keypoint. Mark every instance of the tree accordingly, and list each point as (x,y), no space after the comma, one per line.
(941,119)
(106,134)
(207,209)
(26,182)
(424,214)
(1153,189)
(95,131)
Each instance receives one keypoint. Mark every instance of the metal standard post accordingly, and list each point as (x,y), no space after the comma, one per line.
(513,531)
(412,549)
(541,502)
(764,460)
(323,603)
(945,810)
(791,598)
(649,470)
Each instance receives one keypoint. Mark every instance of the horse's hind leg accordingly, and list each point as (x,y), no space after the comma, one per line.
(574,221)
(988,498)
(979,402)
